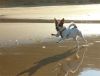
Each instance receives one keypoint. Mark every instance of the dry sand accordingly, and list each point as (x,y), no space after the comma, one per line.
(42,59)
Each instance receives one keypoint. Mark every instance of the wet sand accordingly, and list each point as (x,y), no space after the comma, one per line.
(42,59)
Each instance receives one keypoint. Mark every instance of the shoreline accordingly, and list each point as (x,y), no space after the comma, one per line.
(16,20)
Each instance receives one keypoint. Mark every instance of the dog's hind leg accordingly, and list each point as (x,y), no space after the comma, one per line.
(80,34)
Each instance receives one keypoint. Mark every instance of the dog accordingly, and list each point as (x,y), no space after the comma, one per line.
(65,33)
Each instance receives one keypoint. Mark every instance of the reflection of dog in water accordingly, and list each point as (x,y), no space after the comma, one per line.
(66,67)
(71,32)
(70,65)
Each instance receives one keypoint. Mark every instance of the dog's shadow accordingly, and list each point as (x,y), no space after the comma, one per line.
(46,61)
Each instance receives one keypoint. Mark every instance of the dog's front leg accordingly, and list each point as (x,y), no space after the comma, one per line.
(53,34)
(59,40)
(57,35)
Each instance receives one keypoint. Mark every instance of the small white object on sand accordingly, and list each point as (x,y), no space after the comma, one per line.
(43,47)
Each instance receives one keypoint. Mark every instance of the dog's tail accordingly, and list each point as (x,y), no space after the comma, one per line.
(73,24)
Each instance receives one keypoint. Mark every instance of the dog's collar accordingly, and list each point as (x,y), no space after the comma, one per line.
(63,29)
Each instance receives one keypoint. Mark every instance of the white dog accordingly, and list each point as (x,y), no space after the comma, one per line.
(71,32)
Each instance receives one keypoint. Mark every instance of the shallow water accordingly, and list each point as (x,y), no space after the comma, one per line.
(90,72)
(12,33)
(20,33)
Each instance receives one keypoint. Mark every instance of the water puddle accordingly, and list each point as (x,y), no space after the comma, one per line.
(90,72)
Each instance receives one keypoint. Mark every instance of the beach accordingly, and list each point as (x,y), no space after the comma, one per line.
(28,49)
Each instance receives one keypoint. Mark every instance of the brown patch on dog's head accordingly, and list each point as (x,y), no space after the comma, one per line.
(61,23)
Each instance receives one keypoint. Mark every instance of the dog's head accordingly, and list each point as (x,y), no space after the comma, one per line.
(58,24)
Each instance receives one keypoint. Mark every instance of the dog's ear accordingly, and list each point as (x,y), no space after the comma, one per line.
(62,22)
(56,22)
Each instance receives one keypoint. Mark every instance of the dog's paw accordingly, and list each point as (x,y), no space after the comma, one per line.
(57,42)
(52,34)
